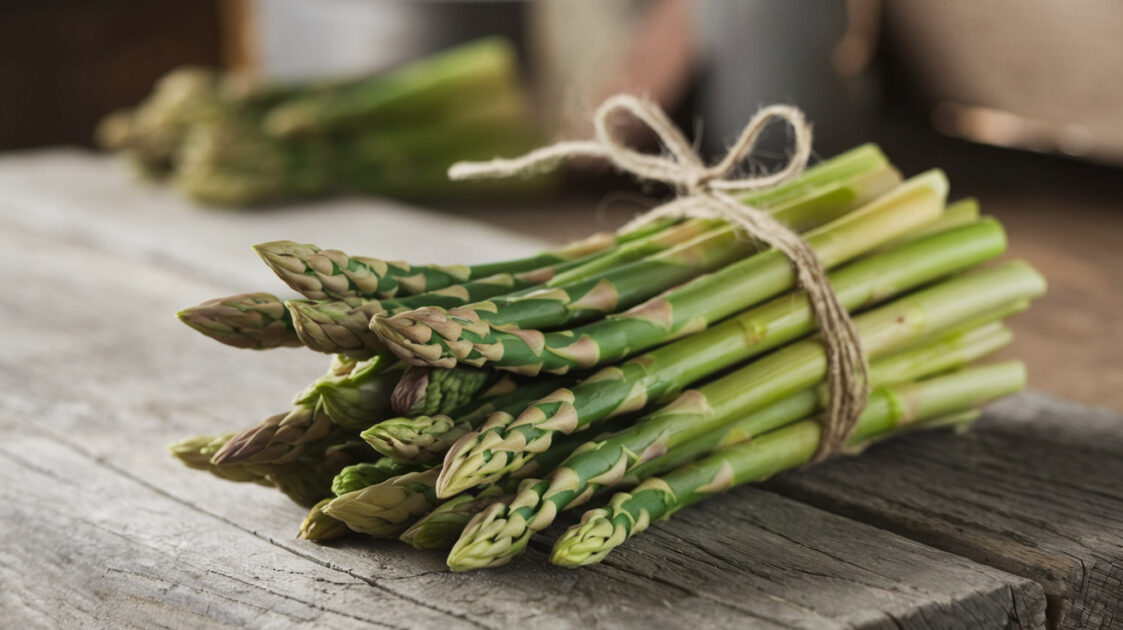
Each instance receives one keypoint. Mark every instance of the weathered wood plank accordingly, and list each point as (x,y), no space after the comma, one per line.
(81,545)
(1036,489)
(89,361)
(791,558)
(75,194)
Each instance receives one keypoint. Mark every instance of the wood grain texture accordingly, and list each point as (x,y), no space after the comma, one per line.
(83,196)
(101,527)
(1035,490)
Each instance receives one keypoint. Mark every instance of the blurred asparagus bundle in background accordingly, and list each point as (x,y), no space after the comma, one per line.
(466,406)
(227,143)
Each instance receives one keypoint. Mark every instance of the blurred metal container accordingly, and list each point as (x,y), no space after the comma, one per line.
(575,52)
(297,39)
(813,54)
(1040,75)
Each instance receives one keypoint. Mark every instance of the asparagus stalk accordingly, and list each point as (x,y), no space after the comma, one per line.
(258,321)
(888,410)
(839,183)
(260,444)
(196,452)
(350,396)
(440,528)
(429,391)
(690,308)
(500,447)
(385,509)
(388,508)
(503,530)
(431,88)
(957,214)
(152,133)
(443,337)
(333,275)
(320,527)
(950,352)
(343,325)
(422,439)
(354,393)
(358,476)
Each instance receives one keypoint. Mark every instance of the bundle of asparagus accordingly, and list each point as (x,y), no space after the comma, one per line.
(225,142)
(466,407)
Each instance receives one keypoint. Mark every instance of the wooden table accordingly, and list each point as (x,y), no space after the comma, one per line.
(1016,525)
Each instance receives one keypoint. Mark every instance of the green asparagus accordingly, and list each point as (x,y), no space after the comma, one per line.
(498,447)
(428,89)
(363,474)
(422,439)
(429,391)
(319,527)
(385,509)
(443,337)
(503,530)
(688,309)
(196,452)
(440,528)
(629,513)
(258,321)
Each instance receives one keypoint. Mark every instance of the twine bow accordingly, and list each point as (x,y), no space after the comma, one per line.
(705,192)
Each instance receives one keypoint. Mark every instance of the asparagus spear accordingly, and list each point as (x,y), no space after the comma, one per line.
(152,133)
(427,89)
(320,527)
(351,395)
(388,508)
(422,439)
(690,308)
(343,325)
(331,274)
(354,393)
(952,351)
(428,391)
(503,530)
(385,509)
(196,452)
(258,321)
(307,423)
(502,445)
(440,528)
(444,337)
(957,214)
(227,160)
(830,187)
(307,479)
(363,474)
(629,513)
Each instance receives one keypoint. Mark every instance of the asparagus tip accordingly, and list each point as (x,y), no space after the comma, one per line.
(490,539)
(589,541)
(395,334)
(318,526)
(410,389)
(381,510)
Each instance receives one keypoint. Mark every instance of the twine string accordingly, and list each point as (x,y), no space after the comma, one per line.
(706,192)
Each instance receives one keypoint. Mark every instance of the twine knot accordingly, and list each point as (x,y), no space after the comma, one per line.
(706,192)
